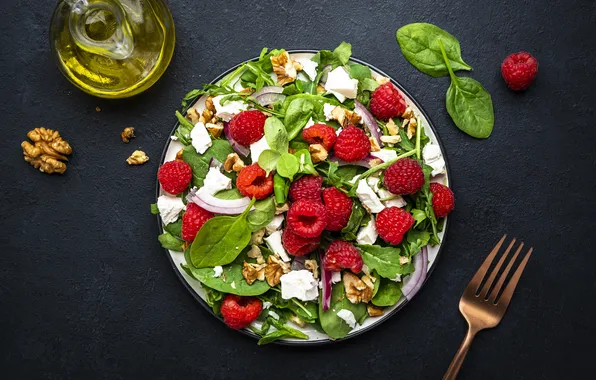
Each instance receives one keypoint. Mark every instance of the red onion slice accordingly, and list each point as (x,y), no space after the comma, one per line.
(268,90)
(270,98)
(298,263)
(414,281)
(365,162)
(240,149)
(214,163)
(217,206)
(369,121)
(326,283)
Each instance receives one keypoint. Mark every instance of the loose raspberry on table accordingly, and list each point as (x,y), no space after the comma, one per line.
(386,102)
(297,245)
(174,176)
(192,221)
(320,134)
(339,208)
(404,177)
(306,187)
(443,199)
(254,182)
(307,218)
(342,255)
(248,127)
(519,70)
(239,312)
(392,223)
(352,144)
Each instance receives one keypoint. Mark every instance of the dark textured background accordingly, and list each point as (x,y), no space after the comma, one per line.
(86,291)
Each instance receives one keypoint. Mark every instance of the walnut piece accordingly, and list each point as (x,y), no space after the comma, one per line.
(390,140)
(408,113)
(403,260)
(374,145)
(208,114)
(127,134)
(412,128)
(391,127)
(233,163)
(375,162)
(318,153)
(193,115)
(358,290)
(47,151)
(312,266)
(215,129)
(381,80)
(283,66)
(281,209)
(138,157)
(321,89)
(257,236)
(275,269)
(253,272)
(296,320)
(374,311)
(179,155)
(255,253)
(345,117)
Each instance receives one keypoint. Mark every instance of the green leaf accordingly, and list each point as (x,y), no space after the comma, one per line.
(307,311)
(384,260)
(333,325)
(343,52)
(305,165)
(233,193)
(169,241)
(268,160)
(154,209)
(281,187)
(388,294)
(355,221)
(174,228)
(360,72)
(297,115)
(200,162)
(418,215)
(283,331)
(276,135)
(405,142)
(262,215)
(368,84)
(419,42)
(471,107)
(288,165)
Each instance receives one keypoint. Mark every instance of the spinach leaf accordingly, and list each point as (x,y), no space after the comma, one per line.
(233,193)
(169,241)
(174,228)
(355,222)
(276,135)
(343,52)
(297,115)
(268,160)
(471,107)
(283,331)
(333,325)
(419,42)
(307,311)
(200,162)
(360,72)
(388,294)
(281,187)
(338,57)
(288,165)
(214,299)
(305,165)
(220,240)
(262,215)
(384,260)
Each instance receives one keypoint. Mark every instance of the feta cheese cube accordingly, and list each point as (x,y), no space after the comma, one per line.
(341,85)
(396,200)
(229,109)
(274,243)
(267,305)
(201,140)
(275,224)
(299,284)
(335,277)
(169,207)
(431,153)
(217,271)
(373,182)
(328,111)
(385,154)
(174,138)
(215,181)
(257,148)
(309,67)
(273,314)
(309,123)
(348,317)
(369,198)
(367,234)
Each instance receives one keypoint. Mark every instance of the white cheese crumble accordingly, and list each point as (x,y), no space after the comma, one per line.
(373,182)
(201,140)
(174,138)
(169,207)
(396,279)
(267,305)
(233,284)
(275,224)
(433,158)
(348,317)
(367,234)
(309,123)
(229,109)
(257,148)
(385,154)
(215,181)
(328,110)
(274,243)
(369,199)
(273,314)
(299,284)
(335,277)
(341,85)
(396,200)
(217,271)
(309,67)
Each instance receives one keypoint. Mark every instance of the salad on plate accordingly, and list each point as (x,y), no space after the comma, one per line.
(304,195)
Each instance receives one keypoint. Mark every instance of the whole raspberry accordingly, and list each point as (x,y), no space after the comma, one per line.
(320,134)
(392,223)
(352,144)
(339,208)
(404,177)
(443,199)
(254,182)
(519,70)
(386,102)
(174,176)
(239,312)
(342,255)
(307,218)
(297,245)
(248,127)
(306,187)
(192,221)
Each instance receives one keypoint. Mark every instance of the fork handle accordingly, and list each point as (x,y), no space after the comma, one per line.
(459,357)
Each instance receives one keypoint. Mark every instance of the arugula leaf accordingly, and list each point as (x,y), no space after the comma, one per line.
(281,187)
(154,209)
(268,160)
(388,294)
(276,135)
(297,115)
(333,325)
(356,220)
(169,241)
(288,165)
(174,228)
(338,57)
(262,215)
(360,72)
(184,128)
(343,52)
(283,331)
(384,260)
(200,162)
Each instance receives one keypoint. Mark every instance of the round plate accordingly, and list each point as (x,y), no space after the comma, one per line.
(194,286)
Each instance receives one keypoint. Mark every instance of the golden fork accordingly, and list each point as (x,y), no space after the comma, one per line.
(481,309)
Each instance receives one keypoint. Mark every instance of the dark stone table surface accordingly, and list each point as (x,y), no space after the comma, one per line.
(86,292)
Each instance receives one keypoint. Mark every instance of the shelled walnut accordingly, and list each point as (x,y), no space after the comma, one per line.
(128,134)
(47,151)
(284,67)
(358,290)
(138,157)
(275,269)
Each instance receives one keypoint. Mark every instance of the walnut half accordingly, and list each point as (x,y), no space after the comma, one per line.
(47,151)
(233,163)
(127,134)
(275,269)
(358,290)
(318,153)
(284,67)
(253,272)
(138,157)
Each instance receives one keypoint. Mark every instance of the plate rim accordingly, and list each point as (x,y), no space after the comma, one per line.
(429,272)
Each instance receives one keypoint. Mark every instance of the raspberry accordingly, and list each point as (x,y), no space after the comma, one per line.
(320,134)
(174,176)
(352,144)
(386,102)
(306,187)
(519,70)
(192,221)
(252,181)
(339,208)
(404,177)
(239,312)
(297,245)
(443,200)
(392,223)
(342,255)
(248,127)
(307,218)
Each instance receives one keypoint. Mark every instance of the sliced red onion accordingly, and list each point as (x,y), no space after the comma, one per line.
(214,163)
(326,283)
(369,121)
(298,263)
(414,281)
(365,162)
(268,90)
(240,149)
(270,98)
(217,206)
(325,71)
